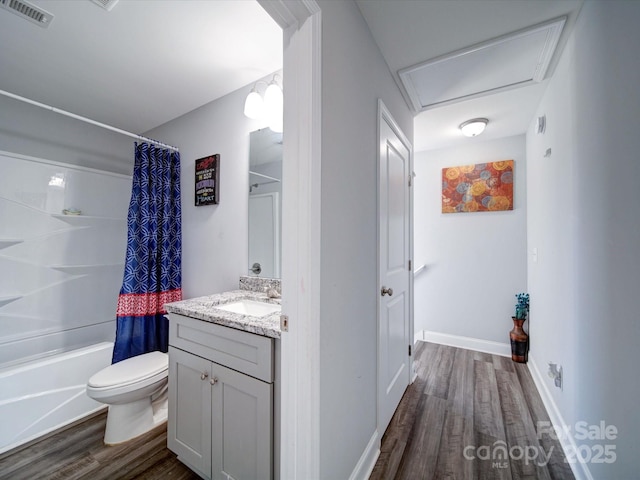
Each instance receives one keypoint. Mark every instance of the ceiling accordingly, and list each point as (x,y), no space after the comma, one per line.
(411,32)
(141,64)
(147,62)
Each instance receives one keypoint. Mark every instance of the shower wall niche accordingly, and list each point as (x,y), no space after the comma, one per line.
(60,274)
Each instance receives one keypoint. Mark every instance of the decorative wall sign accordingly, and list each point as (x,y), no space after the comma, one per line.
(208,180)
(482,187)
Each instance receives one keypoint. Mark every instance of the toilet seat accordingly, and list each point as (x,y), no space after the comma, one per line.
(142,369)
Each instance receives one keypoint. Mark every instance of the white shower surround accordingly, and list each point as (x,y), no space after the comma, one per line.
(61,274)
(46,394)
(59,286)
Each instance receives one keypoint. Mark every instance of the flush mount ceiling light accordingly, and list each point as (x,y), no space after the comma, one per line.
(270,108)
(473,127)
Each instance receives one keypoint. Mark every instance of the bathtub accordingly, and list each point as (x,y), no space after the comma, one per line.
(43,395)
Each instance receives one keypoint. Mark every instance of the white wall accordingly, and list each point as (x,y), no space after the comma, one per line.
(30,130)
(476,262)
(584,220)
(354,76)
(214,237)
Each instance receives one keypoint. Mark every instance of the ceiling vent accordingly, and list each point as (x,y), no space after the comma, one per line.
(28,11)
(106,4)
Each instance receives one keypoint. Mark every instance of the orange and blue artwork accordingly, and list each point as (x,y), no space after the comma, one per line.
(483,187)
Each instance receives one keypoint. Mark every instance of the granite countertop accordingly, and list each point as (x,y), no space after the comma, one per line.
(204,308)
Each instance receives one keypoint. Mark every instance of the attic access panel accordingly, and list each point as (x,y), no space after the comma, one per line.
(512,60)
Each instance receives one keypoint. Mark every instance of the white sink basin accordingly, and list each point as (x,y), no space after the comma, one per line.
(250,307)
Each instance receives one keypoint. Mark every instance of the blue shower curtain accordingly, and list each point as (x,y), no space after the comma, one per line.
(152,273)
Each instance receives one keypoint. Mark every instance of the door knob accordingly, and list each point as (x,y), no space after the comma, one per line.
(204,376)
(256,268)
(213,381)
(386,291)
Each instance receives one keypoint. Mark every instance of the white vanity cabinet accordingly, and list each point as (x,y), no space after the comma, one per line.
(220,399)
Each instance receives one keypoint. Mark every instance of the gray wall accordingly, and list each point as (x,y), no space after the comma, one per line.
(584,220)
(354,76)
(33,131)
(476,262)
(214,239)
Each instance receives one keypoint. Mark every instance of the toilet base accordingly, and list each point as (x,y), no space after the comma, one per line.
(130,420)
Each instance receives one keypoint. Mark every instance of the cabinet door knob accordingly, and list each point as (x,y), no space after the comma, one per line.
(213,381)
(204,376)
(386,291)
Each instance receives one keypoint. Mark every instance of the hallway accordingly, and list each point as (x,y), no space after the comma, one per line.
(461,409)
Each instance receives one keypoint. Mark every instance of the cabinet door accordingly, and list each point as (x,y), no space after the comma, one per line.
(189,424)
(242,413)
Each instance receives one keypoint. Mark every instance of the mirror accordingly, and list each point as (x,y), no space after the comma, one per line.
(265,211)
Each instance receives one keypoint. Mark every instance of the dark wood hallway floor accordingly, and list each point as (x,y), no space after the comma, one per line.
(461,400)
(78,452)
(459,417)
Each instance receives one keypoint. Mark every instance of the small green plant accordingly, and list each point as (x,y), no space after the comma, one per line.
(522,307)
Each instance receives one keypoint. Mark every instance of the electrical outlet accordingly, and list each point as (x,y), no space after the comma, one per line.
(555,372)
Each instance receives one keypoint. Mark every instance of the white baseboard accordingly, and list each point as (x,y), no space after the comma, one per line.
(486,346)
(364,467)
(580,470)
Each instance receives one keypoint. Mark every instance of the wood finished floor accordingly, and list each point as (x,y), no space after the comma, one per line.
(465,398)
(460,398)
(79,453)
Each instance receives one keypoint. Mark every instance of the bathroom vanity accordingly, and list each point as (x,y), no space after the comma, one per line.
(223,378)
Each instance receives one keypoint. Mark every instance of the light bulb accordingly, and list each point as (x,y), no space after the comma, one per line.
(273,103)
(253,105)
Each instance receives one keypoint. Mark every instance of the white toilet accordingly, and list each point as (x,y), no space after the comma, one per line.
(136,391)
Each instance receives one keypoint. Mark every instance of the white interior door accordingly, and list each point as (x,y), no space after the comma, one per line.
(394,203)
(264,232)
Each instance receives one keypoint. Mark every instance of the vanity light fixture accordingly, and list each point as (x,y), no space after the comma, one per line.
(473,127)
(269,108)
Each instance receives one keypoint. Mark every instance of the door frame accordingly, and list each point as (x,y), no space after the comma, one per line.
(299,401)
(385,116)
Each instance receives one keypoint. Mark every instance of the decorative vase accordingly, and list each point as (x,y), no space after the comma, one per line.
(519,341)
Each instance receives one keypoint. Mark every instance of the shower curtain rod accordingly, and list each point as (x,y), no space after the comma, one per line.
(87,120)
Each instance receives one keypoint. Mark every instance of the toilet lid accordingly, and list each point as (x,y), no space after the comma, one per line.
(131,370)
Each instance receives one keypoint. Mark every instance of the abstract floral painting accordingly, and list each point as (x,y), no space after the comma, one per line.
(483,187)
